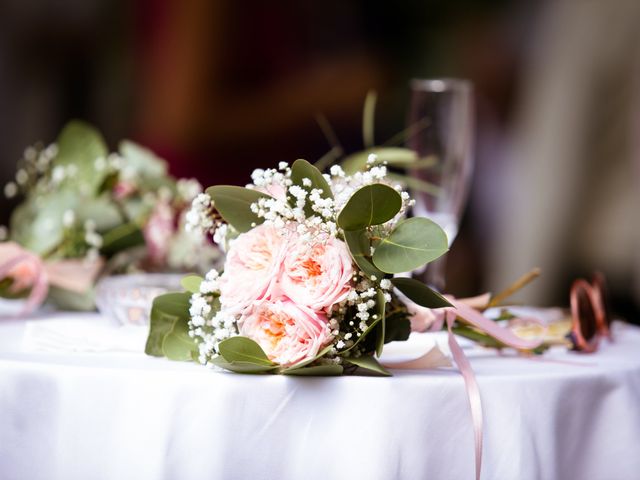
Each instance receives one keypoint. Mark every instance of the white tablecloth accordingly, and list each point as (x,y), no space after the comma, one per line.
(122,415)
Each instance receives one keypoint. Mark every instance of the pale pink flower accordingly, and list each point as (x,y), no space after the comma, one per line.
(317,275)
(123,189)
(158,232)
(288,333)
(252,268)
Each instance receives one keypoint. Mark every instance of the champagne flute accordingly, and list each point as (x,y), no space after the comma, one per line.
(441,130)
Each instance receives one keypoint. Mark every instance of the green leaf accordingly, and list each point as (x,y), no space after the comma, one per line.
(397,328)
(165,311)
(122,237)
(317,371)
(177,344)
(80,144)
(415,184)
(101,210)
(234,204)
(360,248)
(242,367)
(37,223)
(320,354)
(243,349)
(142,161)
(419,293)
(477,336)
(74,301)
(380,303)
(302,169)
(392,156)
(368,362)
(191,283)
(413,243)
(370,205)
(368,118)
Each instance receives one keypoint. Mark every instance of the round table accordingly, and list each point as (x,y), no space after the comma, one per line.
(120,415)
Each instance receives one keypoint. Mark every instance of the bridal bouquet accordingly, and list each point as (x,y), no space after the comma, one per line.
(309,285)
(85,211)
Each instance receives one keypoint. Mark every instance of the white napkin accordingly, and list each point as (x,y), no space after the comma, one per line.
(89,334)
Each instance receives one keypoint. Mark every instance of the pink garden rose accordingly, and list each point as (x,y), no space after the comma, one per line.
(288,333)
(252,268)
(317,275)
(158,232)
(123,189)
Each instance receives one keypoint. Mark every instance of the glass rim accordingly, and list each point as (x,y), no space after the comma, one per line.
(440,84)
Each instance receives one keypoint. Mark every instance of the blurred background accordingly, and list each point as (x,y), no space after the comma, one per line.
(219,88)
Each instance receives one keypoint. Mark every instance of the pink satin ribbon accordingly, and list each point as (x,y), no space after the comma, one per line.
(74,275)
(476,319)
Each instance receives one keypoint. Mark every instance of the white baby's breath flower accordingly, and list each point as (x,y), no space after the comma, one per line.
(68,218)
(10,190)
(22,176)
(100,164)
(30,153)
(58,174)
(188,189)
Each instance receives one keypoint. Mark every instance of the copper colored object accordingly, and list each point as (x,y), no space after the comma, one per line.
(589,315)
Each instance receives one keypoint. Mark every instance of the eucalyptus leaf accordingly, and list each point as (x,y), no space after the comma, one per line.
(177,344)
(101,210)
(80,144)
(135,209)
(392,156)
(165,311)
(419,293)
(368,362)
(243,349)
(302,169)
(304,363)
(191,283)
(317,371)
(477,336)
(74,301)
(412,243)
(243,367)
(234,204)
(368,118)
(360,248)
(380,307)
(397,328)
(142,161)
(122,237)
(370,205)
(415,184)
(37,223)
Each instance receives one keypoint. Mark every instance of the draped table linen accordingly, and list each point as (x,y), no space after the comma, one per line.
(104,410)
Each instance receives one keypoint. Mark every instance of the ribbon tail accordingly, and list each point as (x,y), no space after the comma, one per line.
(471,386)
(38,293)
(434,358)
